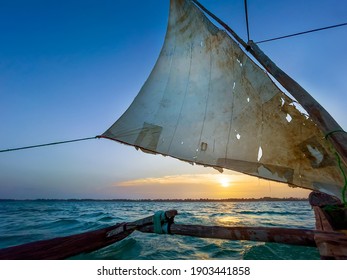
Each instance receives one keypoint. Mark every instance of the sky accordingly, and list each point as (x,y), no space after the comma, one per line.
(69,69)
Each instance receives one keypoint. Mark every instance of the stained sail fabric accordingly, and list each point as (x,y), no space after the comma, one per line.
(206,102)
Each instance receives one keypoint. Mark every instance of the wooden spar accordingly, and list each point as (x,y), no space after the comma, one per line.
(299,237)
(65,247)
(317,113)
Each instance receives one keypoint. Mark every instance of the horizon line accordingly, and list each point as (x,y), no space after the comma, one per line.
(164,199)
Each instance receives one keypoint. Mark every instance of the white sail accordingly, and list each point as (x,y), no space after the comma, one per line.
(207,102)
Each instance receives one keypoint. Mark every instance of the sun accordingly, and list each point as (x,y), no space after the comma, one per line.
(224,182)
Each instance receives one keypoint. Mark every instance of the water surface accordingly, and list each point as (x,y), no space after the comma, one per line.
(27,221)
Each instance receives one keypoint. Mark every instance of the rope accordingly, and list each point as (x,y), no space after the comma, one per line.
(334,131)
(345,178)
(247,24)
(48,144)
(301,33)
(344,189)
(161,224)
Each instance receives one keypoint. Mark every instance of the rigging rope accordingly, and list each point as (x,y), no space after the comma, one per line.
(243,43)
(334,131)
(247,24)
(301,33)
(49,144)
(344,189)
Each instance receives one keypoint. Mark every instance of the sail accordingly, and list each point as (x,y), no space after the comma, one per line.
(206,102)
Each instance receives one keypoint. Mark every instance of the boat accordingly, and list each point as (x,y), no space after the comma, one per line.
(208,103)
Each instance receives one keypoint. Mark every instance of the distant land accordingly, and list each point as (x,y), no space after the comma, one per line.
(265,199)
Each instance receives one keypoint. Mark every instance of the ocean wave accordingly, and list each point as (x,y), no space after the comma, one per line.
(38,221)
(269,212)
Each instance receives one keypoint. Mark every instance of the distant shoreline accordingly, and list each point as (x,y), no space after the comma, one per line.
(263,199)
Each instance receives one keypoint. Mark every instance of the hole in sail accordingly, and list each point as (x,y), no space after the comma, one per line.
(260,153)
(282,101)
(238,136)
(316,154)
(289,118)
(301,109)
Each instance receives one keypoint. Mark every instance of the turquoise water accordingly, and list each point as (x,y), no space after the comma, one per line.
(26,221)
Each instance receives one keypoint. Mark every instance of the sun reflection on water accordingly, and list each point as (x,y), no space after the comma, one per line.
(228,221)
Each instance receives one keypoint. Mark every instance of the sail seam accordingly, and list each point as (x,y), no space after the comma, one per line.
(232,107)
(168,79)
(183,102)
(207,99)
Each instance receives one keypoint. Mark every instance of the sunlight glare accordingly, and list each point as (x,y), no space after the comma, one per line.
(224,182)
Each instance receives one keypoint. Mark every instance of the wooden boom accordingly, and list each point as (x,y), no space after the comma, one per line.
(290,236)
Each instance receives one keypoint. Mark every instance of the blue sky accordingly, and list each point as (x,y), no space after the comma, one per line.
(69,69)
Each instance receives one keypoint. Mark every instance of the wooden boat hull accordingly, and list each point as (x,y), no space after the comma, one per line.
(327,222)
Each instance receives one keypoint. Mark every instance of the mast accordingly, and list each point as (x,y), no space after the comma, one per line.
(327,124)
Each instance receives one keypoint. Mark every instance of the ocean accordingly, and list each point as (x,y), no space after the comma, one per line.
(27,221)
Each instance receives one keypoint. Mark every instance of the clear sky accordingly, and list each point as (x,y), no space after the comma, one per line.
(69,69)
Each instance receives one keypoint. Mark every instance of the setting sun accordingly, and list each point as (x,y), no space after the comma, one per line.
(224,182)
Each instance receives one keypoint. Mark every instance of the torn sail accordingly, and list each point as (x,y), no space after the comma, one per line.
(206,102)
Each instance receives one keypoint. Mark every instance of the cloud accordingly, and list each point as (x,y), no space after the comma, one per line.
(186,179)
(201,186)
